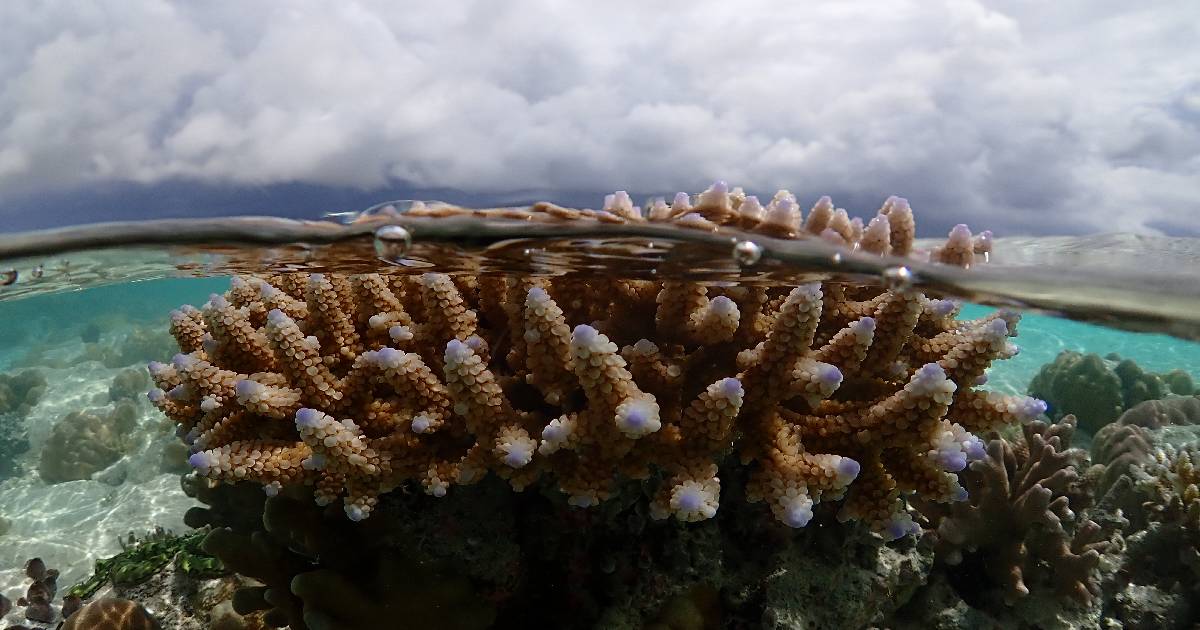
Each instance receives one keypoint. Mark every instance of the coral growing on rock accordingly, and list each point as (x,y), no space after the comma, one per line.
(19,392)
(1097,390)
(1130,440)
(83,443)
(130,383)
(828,392)
(1021,516)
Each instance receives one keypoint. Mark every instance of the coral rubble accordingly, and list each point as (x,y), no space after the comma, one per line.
(356,385)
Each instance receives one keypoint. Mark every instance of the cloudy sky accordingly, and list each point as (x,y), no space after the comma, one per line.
(1024,116)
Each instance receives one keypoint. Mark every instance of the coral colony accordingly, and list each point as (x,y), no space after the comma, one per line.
(357,385)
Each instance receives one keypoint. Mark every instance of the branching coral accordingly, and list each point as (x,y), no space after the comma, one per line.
(890,232)
(1175,476)
(1130,440)
(1019,515)
(357,385)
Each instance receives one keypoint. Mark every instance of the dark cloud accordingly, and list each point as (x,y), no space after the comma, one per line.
(1030,118)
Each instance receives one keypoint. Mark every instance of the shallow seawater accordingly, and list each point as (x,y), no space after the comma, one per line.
(86,459)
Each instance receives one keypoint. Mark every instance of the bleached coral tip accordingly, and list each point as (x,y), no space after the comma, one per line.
(942,308)
(218,301)
(830,375)
(156,395)
(277,317)
(690,500)
(866,324)
(308,418)
(1031,408)
(900,526)
(959,494)
(848,469)
(584,334)
(421,423)
(797,512)
(355,513)
(199,460)
(930,371)
(998,327)
(538,294)
(457,351)
(722,305)
(974,448)
(182,361)
(731,387)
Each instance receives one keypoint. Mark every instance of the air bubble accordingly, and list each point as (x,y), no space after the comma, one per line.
(747,253)
(7,277)
(836,258)
(897,278)
(38,271)
(392,242)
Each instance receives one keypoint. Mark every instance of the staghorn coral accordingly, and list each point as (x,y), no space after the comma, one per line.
(357,385)
(890,232)
(1021,516)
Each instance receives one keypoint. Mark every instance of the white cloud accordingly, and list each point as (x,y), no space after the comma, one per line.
(1022,115)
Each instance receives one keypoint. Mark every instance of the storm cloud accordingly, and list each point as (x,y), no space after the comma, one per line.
(1027,117)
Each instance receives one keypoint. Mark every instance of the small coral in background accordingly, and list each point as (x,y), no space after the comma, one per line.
(83,443)
(1097,390)
(19,392)
(130,383)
